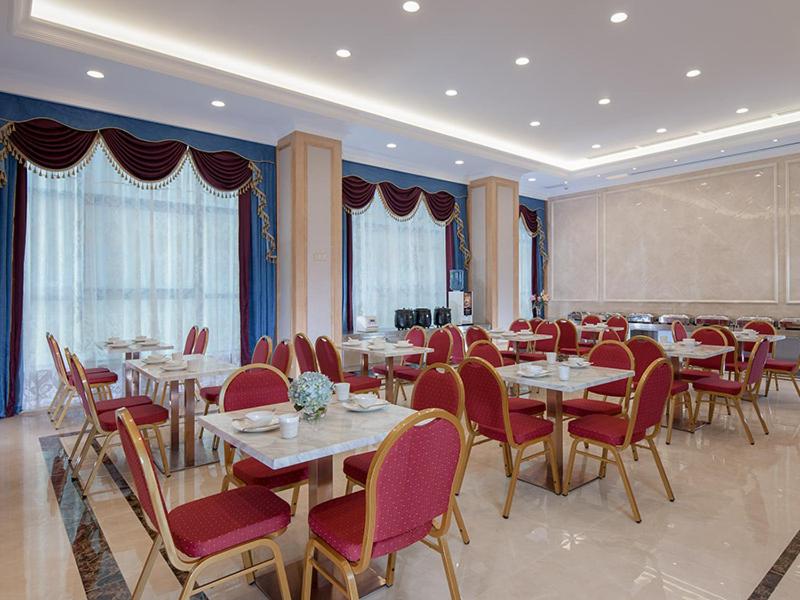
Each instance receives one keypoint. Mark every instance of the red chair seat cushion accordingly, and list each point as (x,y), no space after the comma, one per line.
(146,414)
(116,403)
(679,387)
(407,373)
(717,384)
(694,374)
(340,523)
(779,365)
(101,377)
(526,406)
(359,383)
(532,356)
(216,523)
(510,355)
(581,407)
(523,427)
(508,361)
(602,428)
(356,467)
(211,393)
(569,351)
(253,472)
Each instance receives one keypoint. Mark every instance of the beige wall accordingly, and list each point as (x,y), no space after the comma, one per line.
(719,241)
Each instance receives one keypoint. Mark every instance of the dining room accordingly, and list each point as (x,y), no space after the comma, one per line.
(399,300)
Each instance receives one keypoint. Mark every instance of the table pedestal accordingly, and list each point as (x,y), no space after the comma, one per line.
(682,422)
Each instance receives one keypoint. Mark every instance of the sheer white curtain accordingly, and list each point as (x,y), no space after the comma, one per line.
(397,264)
(105,257)
(525,271)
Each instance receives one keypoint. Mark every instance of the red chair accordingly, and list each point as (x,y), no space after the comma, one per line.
(438,386)
(489,352)
(763,328)
(476,333)
(614,355)
(201,342)
(330,365)
(188,345)
(282,357)
(304,351)
(516,326)
(700,368)
(710,388)
(488,415)
(782,369)
(416,337)
(103,425)
(207,531)
(567,337)
(734,365)
(543,346)
(256,386)
(535,322)
(457,353)
(410,486)
(678,331)
(619,321)
(609,335)
(589,338)
(614,434)
(441,343)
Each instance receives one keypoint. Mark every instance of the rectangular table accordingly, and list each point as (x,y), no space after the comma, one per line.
(208,367)
(597,328)
(579,380)
(387,353)
(520,337)
(338,431)
(130,351)
(741,336)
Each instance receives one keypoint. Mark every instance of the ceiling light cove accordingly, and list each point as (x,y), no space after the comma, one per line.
(343,53)
(451,93)
(619,17)
(604,101)
(95,74)
(411,7)
(217,104)
(692,73)
(522,61)
(391,145)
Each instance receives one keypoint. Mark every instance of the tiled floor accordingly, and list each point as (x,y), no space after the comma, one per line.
(737,510)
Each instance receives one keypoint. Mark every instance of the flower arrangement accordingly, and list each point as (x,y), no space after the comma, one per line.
(310,393)
(539,304)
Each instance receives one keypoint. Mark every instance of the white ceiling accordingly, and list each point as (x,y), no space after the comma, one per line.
(275,67)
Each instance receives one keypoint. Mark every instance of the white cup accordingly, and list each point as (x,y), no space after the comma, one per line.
(342,391)
(289,425)
(193,364)
(177,356)
(551,357)
(563,372)
(574,361)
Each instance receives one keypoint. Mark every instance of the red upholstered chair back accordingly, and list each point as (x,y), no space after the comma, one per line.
(590,320)
(488,352)
(412,477)
(534,323)
(415,335)
(442,344)
(756,363)
(306,359)
(457,353)
(188,345)
(551,329)
(201,343)
(732,357)
(476,334)
(140,463)
(485,397)
(651,396)
(253,386)
(609,335)
(281,358)
(645,352)
(330,363)
(567,334)
(619,321)
(614,355)
(78,381)
(262,351)
(762,327)
(58,360)
(709,336)
(520,325)
(439,386)
(679,331)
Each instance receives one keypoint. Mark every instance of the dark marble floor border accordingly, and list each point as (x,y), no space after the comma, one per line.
(778,570)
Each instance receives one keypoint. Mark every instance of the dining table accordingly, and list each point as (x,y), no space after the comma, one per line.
(340,430)
(386,353)
(745,336)
(580,378)
(517,338)
(195,453)
(130,349)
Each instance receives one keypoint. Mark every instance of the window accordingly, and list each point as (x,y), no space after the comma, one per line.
(525,271)
(397,264)
(105,257)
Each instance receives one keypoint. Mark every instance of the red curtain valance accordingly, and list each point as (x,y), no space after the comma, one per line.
(402,203)
(530,219)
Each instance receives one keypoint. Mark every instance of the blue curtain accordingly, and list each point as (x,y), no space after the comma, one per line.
(263,294)
(540,207)
(7,379)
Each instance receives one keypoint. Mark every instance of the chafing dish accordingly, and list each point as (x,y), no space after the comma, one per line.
(712,320)
(577,315)
(670,319)
(641,318)
(742,321)
(791,323)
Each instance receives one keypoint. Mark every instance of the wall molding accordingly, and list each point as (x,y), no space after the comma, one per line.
(788,229)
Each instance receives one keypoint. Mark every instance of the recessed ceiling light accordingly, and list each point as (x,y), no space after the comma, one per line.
(619,17)
(535,123)
(693,73)
(217,103)
(522,61)
(343,53)
(95,74)
(391,145)
(411,7)
(674,160)
(723,150)
(451,93)
(661,130)
(742,110)
(775,141)
(566,182)
(604,101)
(459,162)
(531,179)
(634,168)
(596,146)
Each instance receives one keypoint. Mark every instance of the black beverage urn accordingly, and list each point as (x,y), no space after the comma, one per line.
(441,316)
(422,317)
(404,318)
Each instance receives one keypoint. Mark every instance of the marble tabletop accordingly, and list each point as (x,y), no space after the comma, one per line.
(598,328)
(134,347)
(520,336)
(207,367)
(741,336)
(388,349)
(700,351)
(340,430)
(579,379)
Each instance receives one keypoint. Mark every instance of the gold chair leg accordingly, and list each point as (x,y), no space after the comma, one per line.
(147,568)
(570,466)
(452,582)
(390,565)
(56,398)
(507,461)
(796,387)
(280,570)
(247,562)
(77,444)
(626,482)
(462,528)
(188,586)
(671,410)
(687,400)
(769,380)
(308,571)
(64,408)
(712,404)
(698,400)
(205,412)
(661,471)
(295,498)
(754,400)
(86,447)
(603,464)
(162,450)
(101,455)
(738,406)
(635,453)
(512,485)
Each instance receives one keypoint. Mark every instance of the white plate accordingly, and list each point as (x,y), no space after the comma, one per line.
(155,359)
(174,367)
(149,343)
(352,343)
(533,375)
(352,406)
(140,338)
(119,345)
(583,366)
(404,344)
(242,426)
